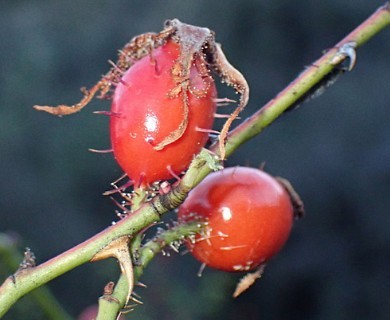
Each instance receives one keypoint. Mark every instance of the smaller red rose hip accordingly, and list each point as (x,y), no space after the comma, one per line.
(249,217)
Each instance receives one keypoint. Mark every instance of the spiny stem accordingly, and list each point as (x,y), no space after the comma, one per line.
(109,308)
(11,257)
(172,236)
(110,305)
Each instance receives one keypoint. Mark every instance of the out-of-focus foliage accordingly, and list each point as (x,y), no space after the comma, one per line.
(335,150)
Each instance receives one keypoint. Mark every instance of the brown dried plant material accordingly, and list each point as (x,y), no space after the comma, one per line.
(197,46)
(296,201)
(248,280)
(234,78)
(119,249)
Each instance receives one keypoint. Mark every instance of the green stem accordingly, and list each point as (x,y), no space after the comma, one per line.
(23,281)
(306,80)
(28,279)
(172,237)
(109,307)
(43,297)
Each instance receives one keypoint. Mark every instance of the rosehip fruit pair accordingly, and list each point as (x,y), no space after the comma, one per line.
(249,214)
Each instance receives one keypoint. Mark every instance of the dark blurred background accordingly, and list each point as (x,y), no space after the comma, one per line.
(334,149)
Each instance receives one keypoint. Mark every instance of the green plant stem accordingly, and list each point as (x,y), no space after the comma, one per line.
(111,304)
(306,80)
(28,279)
(173,236)
(11,257)
(109,307)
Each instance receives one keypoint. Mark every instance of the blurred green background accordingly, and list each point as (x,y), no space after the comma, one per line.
(335,150)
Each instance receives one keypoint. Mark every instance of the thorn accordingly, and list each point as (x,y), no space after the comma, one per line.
(141,179)
(223,116)
(132,298)
(115,76)
(201,269)
(135,294)
(119,249)
(173,174)
(143,285)
(118,189)
(229,248)
(207,130)
(127,309)
(124,209)
(346,50)
(123,82)
(100,151)
(223,101)
(108,113)
(112,63)
(119,179)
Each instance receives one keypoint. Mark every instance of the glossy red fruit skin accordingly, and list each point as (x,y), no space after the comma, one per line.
(143,114)
(249,217)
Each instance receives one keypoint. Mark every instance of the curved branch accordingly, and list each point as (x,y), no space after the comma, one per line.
(311,78)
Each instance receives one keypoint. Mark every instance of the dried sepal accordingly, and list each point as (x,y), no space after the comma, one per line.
(248,280)
(234,78)
(296,201)
(197,47)
(139,47)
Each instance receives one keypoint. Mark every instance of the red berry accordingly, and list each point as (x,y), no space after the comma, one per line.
(146,110)
(249,217)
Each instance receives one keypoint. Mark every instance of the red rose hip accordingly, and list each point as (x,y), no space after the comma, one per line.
(155,118)
(249,217)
